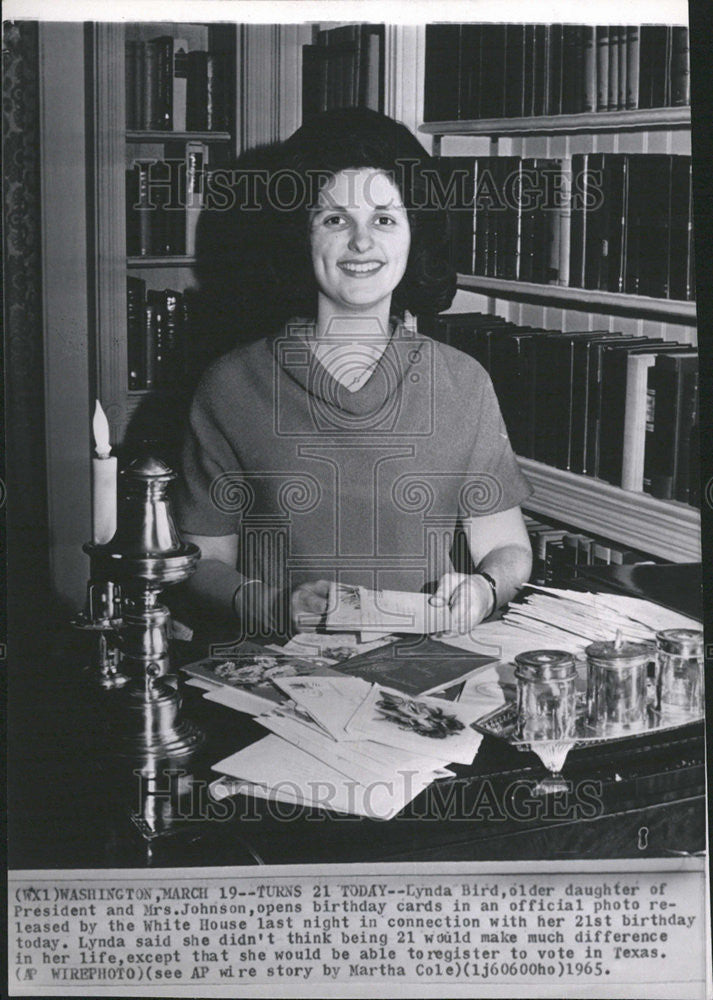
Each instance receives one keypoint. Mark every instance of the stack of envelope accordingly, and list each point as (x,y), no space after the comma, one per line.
(335,742)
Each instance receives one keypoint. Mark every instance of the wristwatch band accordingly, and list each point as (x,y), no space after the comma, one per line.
(493,590)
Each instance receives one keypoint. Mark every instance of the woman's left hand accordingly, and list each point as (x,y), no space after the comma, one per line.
(469,598)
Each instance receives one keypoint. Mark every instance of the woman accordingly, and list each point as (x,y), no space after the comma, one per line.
(344,446)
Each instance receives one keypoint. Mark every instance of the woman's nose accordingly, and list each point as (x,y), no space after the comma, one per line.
(360,239)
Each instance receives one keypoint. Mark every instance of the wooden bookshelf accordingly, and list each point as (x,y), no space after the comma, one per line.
(668,530)
(665,528)
(588,300)
(165,135)
(640,120)
(167,260)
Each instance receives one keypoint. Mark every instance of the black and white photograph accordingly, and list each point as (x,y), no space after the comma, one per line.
(358,498)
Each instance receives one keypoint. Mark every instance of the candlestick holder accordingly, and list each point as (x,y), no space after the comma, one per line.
(127,577)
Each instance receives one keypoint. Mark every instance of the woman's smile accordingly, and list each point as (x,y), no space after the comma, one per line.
(360,269)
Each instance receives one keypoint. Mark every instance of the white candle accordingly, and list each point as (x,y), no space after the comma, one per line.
(104,469)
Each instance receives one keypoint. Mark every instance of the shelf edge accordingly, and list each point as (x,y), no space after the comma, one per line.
(586,299)
(666,529)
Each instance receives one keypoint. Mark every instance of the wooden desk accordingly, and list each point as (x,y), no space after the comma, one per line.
(70,802)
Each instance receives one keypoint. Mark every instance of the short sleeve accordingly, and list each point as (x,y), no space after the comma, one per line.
(494,481)
(208,485)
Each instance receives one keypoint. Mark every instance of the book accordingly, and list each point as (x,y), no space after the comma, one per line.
(442,78)
(135,298)
(602,68)
(635,420)
(555,63)
(654,65)
(514,70)
(196,164)
(588,100)
(180,84)
(674,383)
(470,59)
(139,210)
(613,64)
(594,400)
(680,263)
(622,84)
(457,194)
(511,370)
(633,57)
(680,69)
(539,88)
(614,397)
(580,457)
(493,70)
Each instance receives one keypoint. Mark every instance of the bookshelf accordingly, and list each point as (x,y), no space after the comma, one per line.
(120,101)
(668,530)
(638,120)
(585,299)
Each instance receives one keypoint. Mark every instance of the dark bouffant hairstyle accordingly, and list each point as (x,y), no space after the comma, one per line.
(353,138)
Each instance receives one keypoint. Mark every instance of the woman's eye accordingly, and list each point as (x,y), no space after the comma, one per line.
(332,221)
(385,220)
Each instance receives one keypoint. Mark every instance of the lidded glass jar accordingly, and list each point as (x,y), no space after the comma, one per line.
(680,668)
(546,694)
(616,685)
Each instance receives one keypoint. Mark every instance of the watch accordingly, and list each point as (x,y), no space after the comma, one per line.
(493,590)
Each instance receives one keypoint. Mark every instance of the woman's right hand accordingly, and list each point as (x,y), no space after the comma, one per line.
(307,602)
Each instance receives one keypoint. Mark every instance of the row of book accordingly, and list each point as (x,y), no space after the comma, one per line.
(158,325)
(618,222)
(559,553)
(344,68)
(621,408)
(164,199)
(476,71)
(171,88)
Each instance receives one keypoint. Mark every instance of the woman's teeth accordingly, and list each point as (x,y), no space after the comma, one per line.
(361,268)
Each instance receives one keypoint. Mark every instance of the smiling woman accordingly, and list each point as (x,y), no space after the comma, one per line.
(344,446)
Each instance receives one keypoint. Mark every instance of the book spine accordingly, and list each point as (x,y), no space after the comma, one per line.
(564,220)
(650,428)
(150,86)
(196,164)
(611,428)
(596,222)
(687,439)
(149,347)
(623,65)
(135,299)
(632,462)
(680,68)
(180,84)
(613,84)
(164,83)
(602,68)
(632,66)
(197,92)
(554,61)
(539,99)
(442,79)
(514,70)
(589,96)
(669,379)
(577,217)
(130,60)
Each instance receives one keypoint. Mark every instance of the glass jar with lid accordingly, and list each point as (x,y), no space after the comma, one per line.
(616,685)
(680,671)
(546,695)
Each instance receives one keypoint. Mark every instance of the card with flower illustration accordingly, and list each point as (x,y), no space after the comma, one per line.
(430,726)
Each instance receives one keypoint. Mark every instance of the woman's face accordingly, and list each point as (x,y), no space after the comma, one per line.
(360,239)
